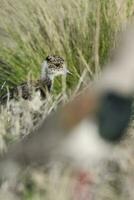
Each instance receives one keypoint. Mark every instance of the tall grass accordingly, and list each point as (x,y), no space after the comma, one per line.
(82,32)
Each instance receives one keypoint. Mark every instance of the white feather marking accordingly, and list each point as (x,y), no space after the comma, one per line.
(43,70)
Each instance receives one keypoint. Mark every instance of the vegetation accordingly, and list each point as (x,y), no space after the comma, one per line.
(84,33)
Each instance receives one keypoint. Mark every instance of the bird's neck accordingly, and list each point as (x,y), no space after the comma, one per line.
(44,72)
(48,80)
(46,83)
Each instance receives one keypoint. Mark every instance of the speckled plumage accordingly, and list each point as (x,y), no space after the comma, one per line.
(56,60)
(25,90)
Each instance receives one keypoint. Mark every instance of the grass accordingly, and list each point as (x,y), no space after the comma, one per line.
(84,33)
(81,32)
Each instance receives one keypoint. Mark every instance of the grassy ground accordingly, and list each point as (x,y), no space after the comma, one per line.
(84,33)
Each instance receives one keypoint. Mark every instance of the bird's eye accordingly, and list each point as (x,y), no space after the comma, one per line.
(49,58)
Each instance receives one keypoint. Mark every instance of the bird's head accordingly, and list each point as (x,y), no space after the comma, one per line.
(54,66)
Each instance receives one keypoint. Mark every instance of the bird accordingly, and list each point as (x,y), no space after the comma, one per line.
(51,67)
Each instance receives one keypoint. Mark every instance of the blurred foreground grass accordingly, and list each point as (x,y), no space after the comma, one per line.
(84,33)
